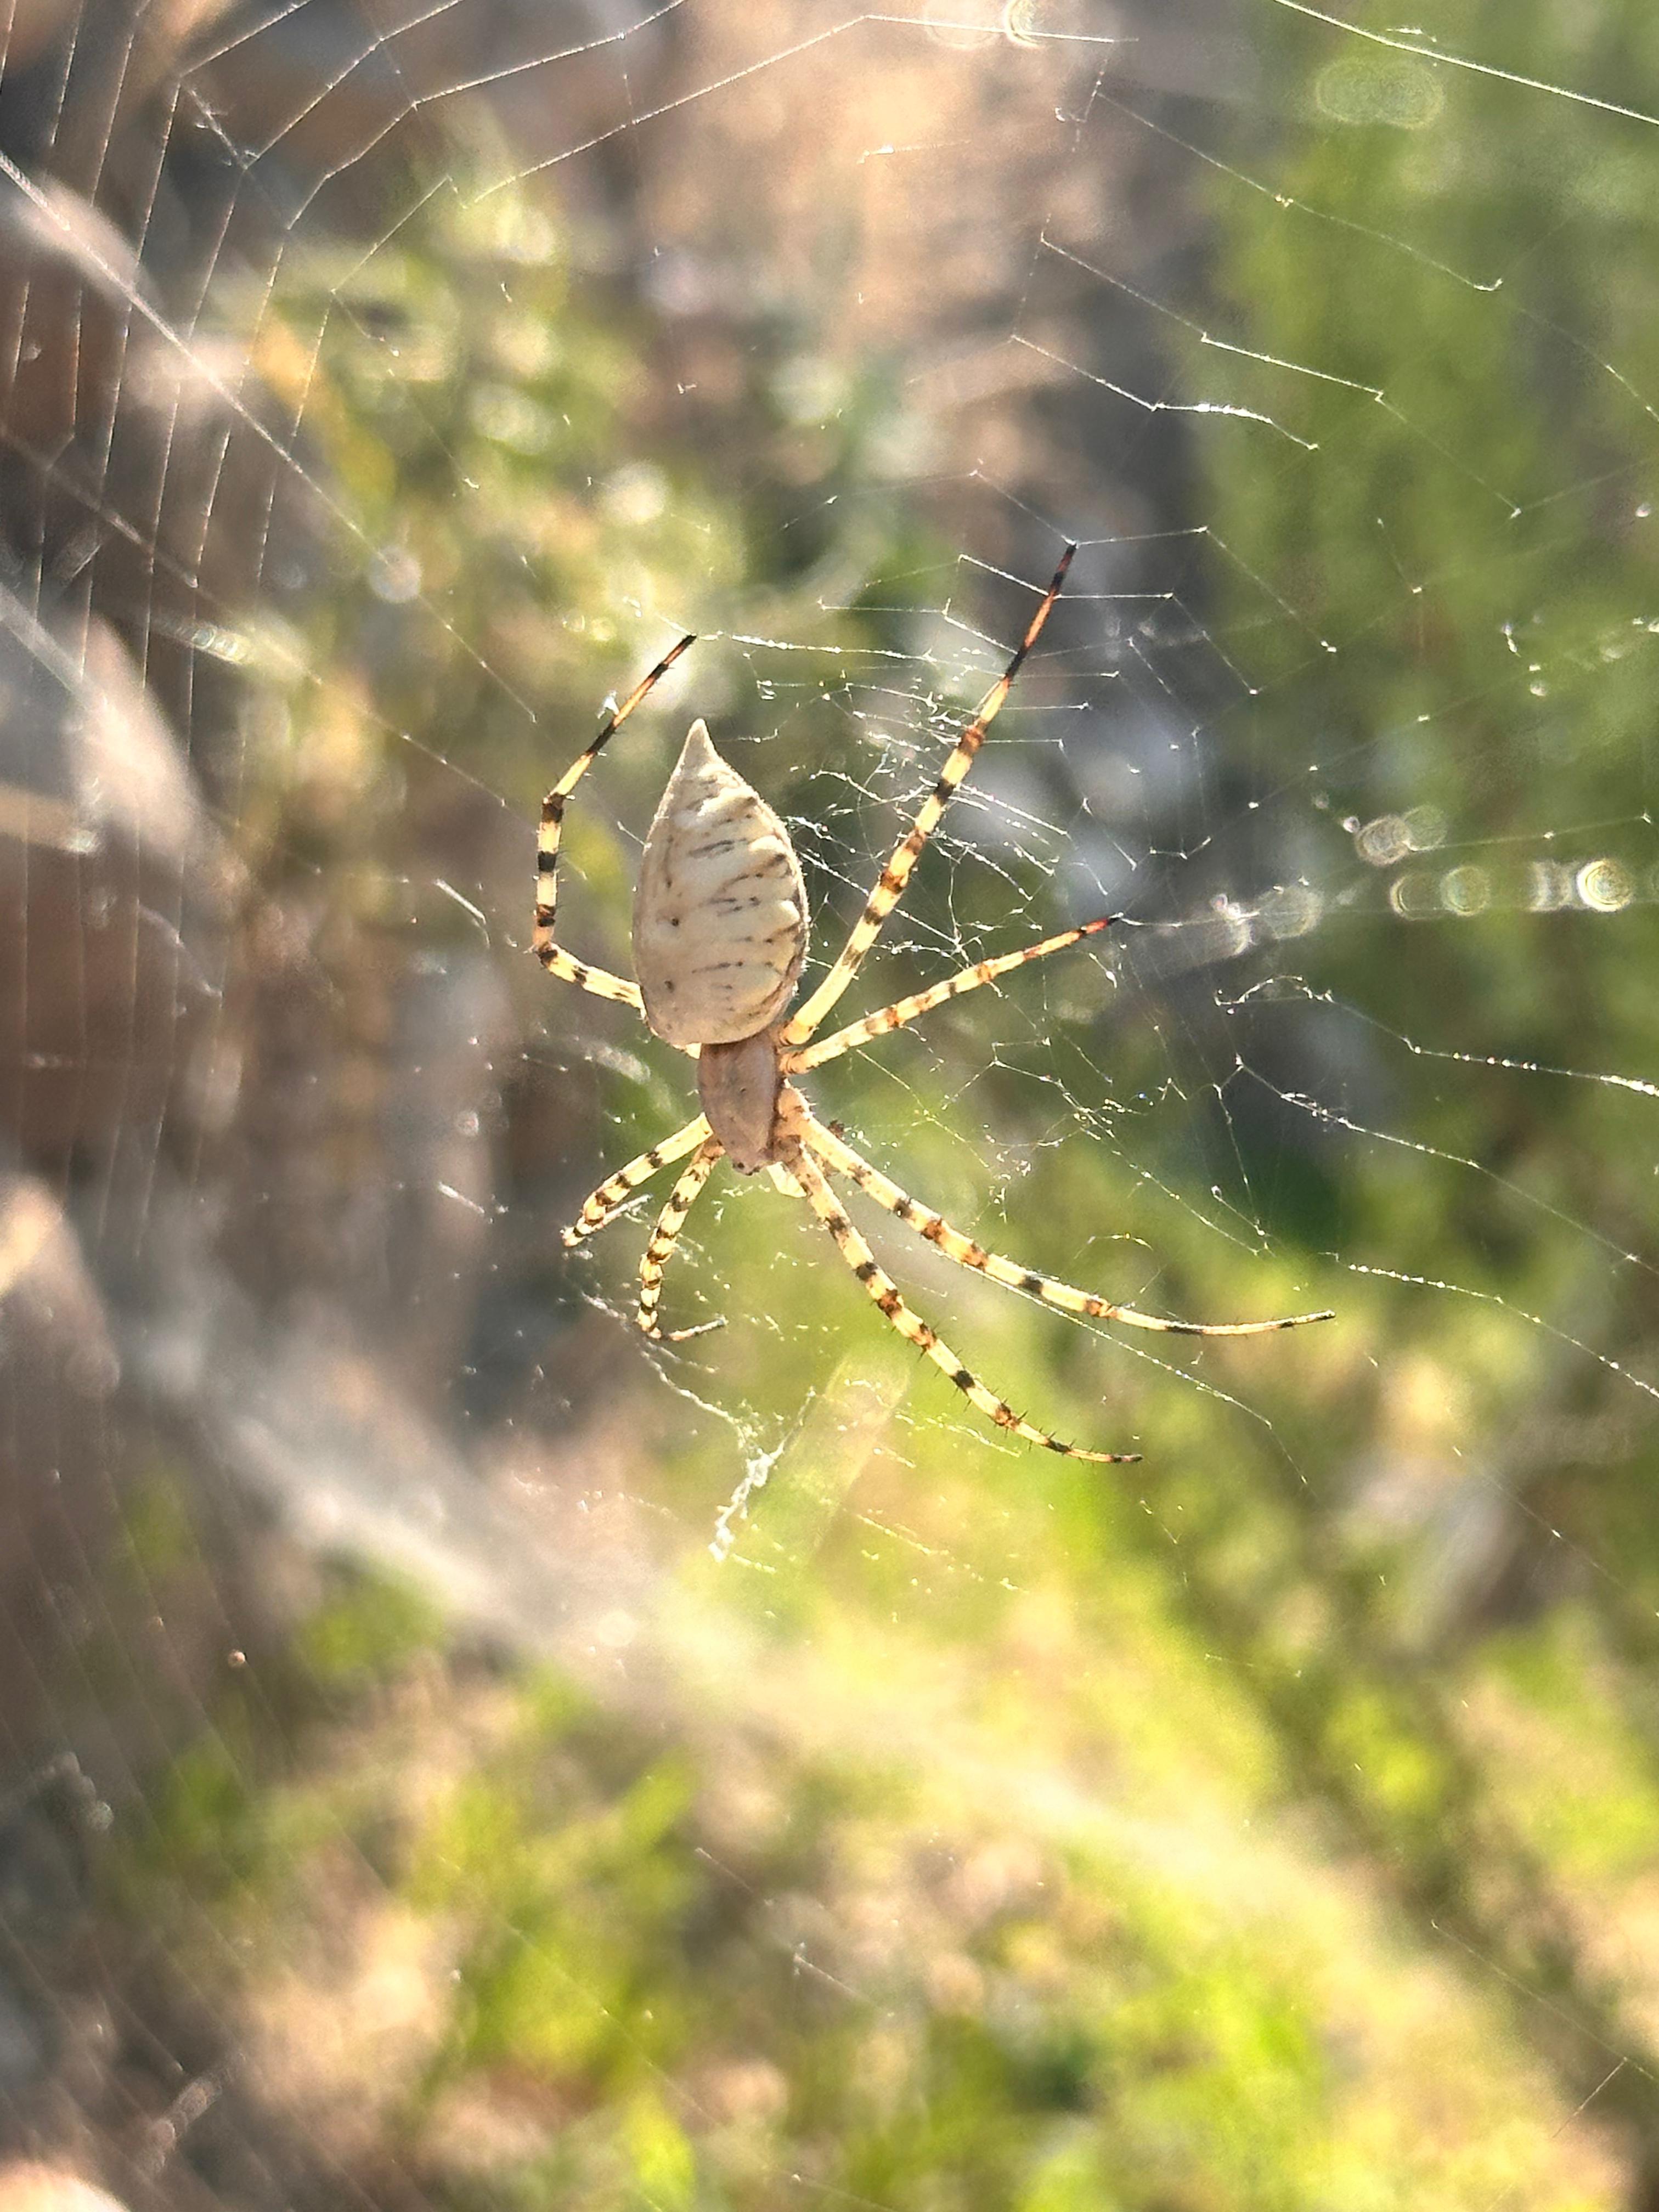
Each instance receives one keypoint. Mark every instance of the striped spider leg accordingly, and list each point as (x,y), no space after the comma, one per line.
(602,1206)
(665,1236)
(839,1156)
(556,961)
(923,1002)
(889,884)
(883,1290)
(720,934)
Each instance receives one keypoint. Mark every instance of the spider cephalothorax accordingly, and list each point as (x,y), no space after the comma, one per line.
(719,936)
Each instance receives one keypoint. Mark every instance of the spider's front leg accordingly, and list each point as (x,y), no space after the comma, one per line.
(881,1288)
(602,1206)
(665,1236)
(839,1156)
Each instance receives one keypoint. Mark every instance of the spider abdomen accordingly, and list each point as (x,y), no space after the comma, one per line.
(719,911)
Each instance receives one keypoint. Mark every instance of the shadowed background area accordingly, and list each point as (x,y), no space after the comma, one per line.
(454,1753)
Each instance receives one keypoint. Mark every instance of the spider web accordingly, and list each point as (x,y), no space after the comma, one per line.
(457,1751)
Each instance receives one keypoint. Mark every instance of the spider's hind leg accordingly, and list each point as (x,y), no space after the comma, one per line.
(553,957)
(888,887)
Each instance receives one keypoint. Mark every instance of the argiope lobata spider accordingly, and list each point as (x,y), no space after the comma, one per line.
(719,937)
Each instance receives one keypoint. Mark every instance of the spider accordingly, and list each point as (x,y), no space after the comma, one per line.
(719,938)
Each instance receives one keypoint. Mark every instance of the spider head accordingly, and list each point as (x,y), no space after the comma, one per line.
(741,1085)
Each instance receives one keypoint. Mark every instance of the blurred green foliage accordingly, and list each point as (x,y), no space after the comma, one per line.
(1013,1836)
